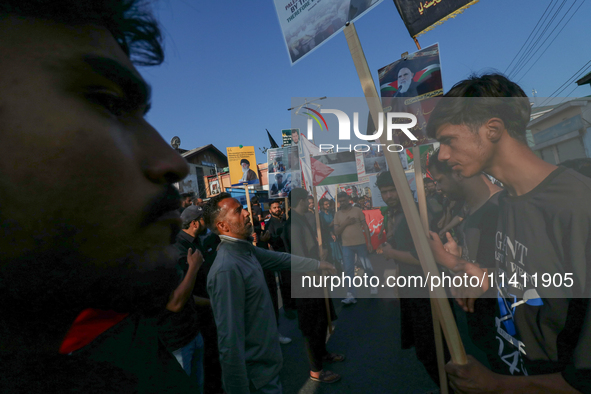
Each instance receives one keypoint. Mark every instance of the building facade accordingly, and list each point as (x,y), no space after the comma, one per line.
(563,133)
(203,161)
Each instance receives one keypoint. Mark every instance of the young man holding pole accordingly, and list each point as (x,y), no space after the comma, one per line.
(416,322)
(544,231)
(475,244)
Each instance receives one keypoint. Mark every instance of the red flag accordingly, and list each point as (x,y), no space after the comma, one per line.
(374,220)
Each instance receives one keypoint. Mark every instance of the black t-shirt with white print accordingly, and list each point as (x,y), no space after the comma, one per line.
(543,234)
(477,238)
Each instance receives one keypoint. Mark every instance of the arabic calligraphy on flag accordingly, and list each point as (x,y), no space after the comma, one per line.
(420,16)
(375,220)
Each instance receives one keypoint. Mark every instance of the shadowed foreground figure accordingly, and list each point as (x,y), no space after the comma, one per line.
(95,251)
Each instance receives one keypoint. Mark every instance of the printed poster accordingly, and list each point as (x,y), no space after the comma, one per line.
(243,166)
(306,24)
(284,171)
(286,136)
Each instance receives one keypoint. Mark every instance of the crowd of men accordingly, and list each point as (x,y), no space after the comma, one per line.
(104,289)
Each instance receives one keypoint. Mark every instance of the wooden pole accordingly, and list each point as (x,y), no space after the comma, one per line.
(416,152)
(220,186)
(319,235)
(249,207)
(434,312)
(286,208)
(450,329)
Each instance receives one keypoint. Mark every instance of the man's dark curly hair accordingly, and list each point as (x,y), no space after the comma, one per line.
(129,21)
(480,98)
(384,179)
(211,210)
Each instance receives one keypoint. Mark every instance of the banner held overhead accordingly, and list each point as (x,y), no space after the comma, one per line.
(308,23)
(420,16)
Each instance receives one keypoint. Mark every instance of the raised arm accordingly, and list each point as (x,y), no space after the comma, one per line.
(278,261)
(180,295)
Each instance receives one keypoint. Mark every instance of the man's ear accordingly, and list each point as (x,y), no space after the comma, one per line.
(222,227)
(495,128)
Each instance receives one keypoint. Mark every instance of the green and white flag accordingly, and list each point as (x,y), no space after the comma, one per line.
(334,168)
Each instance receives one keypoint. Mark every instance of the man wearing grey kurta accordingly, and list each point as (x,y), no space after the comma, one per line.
(247,333)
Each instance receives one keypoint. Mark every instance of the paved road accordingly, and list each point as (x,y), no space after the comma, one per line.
(368,333)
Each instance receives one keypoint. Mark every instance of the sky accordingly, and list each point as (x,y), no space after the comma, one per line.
(227,76)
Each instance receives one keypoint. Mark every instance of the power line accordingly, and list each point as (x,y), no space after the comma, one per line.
(569,80)
(555,37)
(530,34)
(526,55)
(517,54)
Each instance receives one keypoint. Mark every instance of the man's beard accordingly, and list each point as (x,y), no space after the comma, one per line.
(404,86)
(53,273)
(56,276)
(245,231)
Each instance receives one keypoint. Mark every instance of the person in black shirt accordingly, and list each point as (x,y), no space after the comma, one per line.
(178,326)
(196,235)
(416,321)
(434,204)
(257,211)
(544,332)
(476,244)
(262,241)
(300,239)
(274,230)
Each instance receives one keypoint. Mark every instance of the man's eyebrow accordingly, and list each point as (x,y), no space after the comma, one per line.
(136,90)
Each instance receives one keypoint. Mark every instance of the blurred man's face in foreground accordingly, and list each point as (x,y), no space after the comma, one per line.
(72,124)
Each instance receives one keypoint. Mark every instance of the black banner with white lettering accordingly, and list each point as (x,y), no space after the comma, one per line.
(420,16)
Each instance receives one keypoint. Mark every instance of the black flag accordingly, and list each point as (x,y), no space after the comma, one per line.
(420,16)
(272,141)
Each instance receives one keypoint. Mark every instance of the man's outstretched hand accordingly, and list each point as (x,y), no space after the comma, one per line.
(326,266)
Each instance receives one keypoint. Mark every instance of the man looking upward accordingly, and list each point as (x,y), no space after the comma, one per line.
(247,333)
